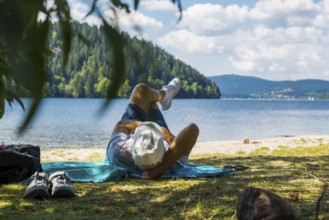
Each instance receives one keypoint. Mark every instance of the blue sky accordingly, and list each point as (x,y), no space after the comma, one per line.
(271,39)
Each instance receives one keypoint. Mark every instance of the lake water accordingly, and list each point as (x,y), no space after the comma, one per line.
(77,122)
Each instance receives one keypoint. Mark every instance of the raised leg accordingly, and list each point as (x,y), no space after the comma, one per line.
(146,97)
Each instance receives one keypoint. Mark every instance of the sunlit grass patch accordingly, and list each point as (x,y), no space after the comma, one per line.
(73,154)
(26,204)
(12,187)
(297,174)
(95,156)
(319,150)
(240,152)
(5,204)
(280,164)
(261,151)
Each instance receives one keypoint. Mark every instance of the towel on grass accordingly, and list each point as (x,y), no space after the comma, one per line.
(103,172)
(97,172)
(194,171)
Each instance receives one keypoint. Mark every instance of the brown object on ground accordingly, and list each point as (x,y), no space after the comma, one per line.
(246,141)
(257,204)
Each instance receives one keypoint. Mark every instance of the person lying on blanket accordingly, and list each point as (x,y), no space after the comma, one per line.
(141,141)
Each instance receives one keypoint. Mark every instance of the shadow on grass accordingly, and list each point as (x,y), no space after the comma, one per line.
(297,179)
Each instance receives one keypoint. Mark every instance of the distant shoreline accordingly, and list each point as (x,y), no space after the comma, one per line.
(232,85)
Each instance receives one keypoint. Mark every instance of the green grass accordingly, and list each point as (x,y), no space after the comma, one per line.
(297,175)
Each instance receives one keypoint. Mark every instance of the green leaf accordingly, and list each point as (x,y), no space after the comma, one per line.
(93,8)
(4,69)
(23,47)
(32,111)
(36,63)
(180,8)
(63,13)
(11,97)
(84,39)
(136,3)
(119,4)
(117,42)
(48,52)
(2,96)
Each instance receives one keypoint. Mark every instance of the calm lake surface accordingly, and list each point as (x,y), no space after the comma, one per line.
(77,122)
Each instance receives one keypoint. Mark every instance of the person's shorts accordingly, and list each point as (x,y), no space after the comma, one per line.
(134,112)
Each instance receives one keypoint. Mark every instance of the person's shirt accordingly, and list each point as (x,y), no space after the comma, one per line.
(119,150)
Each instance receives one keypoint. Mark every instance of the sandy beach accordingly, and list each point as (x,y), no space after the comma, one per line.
(231,147)
(214,147)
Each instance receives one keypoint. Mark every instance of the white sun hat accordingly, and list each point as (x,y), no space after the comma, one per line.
(148,147)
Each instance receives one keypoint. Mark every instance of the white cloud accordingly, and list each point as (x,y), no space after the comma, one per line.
(292,35)
(134,23)
(326,73)
(292,51)
(322,19)
(242,65)
(187,41)
(78,12)
(283,51)
(126,21)
(79,6)
(279,38)
(212,19)
(158,5)
(276,67)
(80,16)
(137,18)
(282,9)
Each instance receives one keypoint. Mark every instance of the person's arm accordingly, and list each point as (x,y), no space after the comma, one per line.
(167,135)
(184,142)
(126,126)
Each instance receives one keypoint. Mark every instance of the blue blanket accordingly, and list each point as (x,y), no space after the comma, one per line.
(86,171)
(103,172)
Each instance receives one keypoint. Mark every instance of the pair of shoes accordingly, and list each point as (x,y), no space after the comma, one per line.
(171,90)
(57,185)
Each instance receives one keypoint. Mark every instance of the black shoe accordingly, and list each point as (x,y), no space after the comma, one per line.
(38,187)
(60,185)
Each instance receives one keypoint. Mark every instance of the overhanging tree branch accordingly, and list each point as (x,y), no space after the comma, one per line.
(23,47)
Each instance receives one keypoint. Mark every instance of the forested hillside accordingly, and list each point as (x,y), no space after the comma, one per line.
(90,66)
